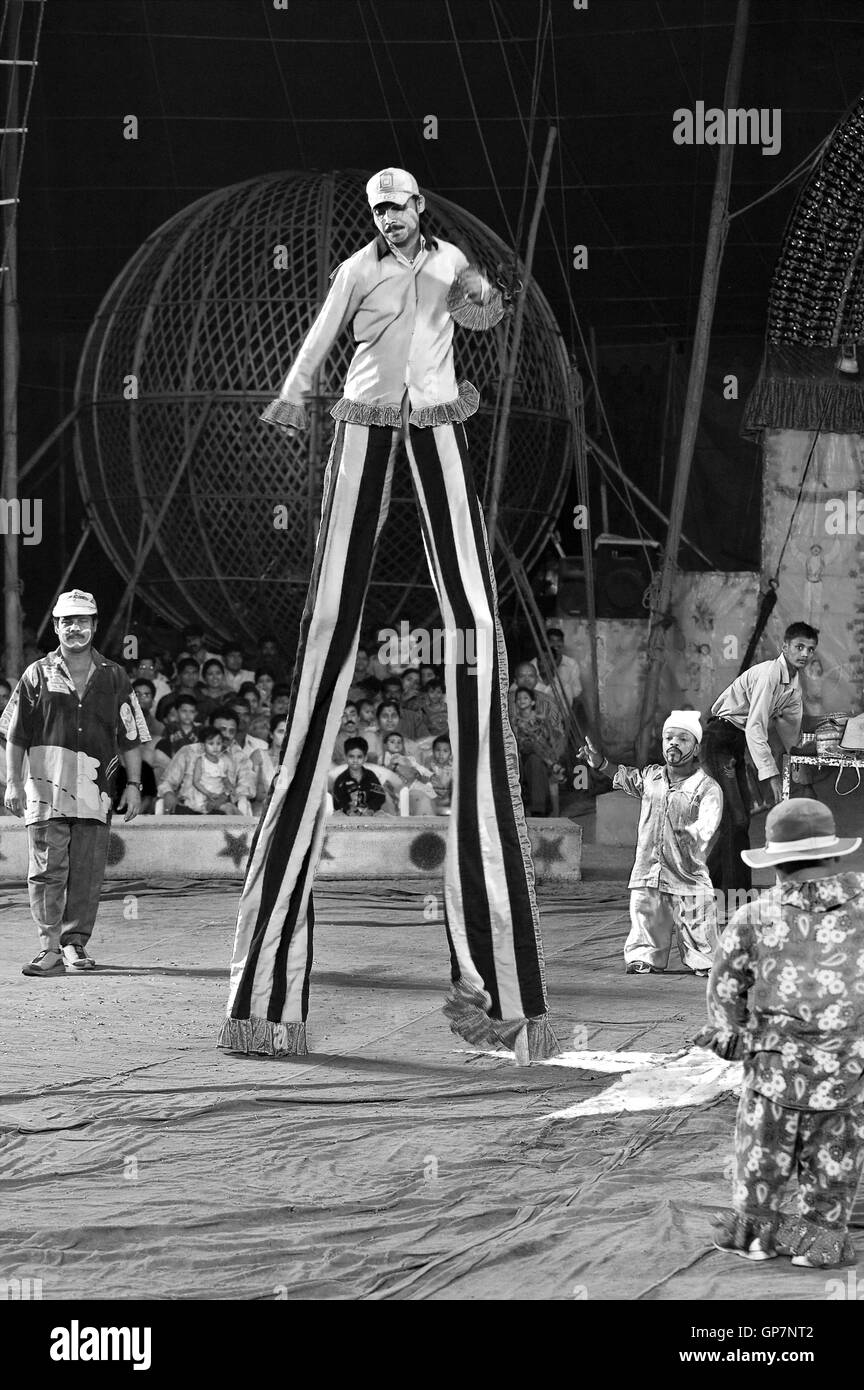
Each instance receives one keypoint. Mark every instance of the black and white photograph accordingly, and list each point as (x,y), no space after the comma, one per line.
(432,689)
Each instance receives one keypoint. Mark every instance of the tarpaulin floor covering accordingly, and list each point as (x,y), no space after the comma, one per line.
(137,1161)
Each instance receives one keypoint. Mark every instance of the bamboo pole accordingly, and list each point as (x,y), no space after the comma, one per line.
(661,615)
(501,440)
(13,654)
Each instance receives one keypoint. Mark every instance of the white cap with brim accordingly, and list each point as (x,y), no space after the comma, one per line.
(799,829)
(391,186)
(75,603)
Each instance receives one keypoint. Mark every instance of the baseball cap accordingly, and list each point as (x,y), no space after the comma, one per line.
(75,603)
(391,186)
(799,829)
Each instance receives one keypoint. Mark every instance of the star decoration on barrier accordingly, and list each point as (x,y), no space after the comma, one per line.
(236,848)
(547,850)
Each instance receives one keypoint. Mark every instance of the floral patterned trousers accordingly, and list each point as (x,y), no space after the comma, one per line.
(772,1141)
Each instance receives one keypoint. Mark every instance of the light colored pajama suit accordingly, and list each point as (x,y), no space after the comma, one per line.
(670,887)
(401,385)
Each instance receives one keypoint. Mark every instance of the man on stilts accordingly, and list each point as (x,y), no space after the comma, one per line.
(402,294)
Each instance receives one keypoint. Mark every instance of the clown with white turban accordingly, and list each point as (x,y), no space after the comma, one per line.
(670,887)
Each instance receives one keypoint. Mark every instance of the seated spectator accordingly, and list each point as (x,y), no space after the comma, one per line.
(540,749)
(259,726)
(177,735)
(427,674)
(364,682)
(264,683)
(433,705)
(212,691)
(347,729)
(367,727)
(213,779)
(441,783)
(564,673)
(390,721)
(547,707)
(146,691)
(166,713)
(245,738)
(195,647)
(265,760)
(186,679)
(357,791)
(5,692)
(175,782)
(249,691)
(407,767)
(146,668)
(280,700)
(412,725)
(236,674)
(270,658)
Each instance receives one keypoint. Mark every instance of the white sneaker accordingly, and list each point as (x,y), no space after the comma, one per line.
(755,1251)
(75,959)
(48,962)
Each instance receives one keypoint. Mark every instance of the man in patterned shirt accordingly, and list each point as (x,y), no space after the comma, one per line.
(670,889)
(72,717)
(787,992)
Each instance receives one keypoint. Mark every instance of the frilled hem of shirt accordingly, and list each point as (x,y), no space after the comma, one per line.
(285,414)
(261,1036)
(468,314)
(424,417)
(466,1010)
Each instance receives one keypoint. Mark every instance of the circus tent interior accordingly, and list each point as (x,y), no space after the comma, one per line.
(231,155)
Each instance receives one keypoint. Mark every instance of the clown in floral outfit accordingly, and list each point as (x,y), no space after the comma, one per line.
(786,992)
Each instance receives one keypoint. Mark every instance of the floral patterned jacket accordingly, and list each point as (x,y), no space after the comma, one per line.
(788,975)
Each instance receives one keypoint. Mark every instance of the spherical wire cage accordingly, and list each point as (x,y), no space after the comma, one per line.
(214,512)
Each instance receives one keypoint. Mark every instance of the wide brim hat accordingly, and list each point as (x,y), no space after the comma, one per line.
(799,829)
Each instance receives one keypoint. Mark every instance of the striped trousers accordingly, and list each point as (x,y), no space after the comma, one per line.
(497,995)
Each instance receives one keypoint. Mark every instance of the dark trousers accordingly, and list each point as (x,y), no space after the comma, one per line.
(722,740)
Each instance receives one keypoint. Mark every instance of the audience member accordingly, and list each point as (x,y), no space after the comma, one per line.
(146,667)
(186,678)
(214,778)
(145,690)
(540,749)
(280,699)
(433,706)
(245,738)
(175,782)
(270,657)
(390,721)
(367,727)
(212,690)
(412,725)
(357,791)
(264,683)
(442,775)
(236,674)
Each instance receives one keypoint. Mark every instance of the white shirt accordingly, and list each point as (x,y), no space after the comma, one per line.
(568,675)
(402,317)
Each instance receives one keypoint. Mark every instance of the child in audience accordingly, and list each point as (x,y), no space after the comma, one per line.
(367,727)
(442,774)
(212,777)
(357,791)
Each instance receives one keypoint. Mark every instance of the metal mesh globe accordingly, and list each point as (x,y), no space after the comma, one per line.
(214,512)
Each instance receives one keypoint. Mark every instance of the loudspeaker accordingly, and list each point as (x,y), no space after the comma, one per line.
(622,573)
